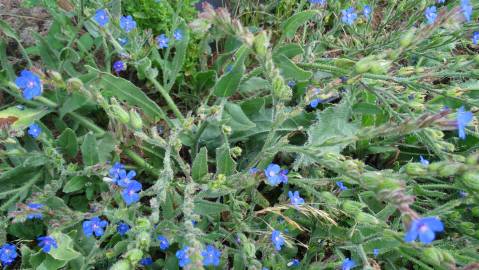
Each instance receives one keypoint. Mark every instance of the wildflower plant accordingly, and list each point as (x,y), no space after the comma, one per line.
(323,135)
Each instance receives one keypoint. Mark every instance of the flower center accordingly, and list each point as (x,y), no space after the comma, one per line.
(30,84)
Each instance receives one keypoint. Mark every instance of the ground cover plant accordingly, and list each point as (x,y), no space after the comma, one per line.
(289,134)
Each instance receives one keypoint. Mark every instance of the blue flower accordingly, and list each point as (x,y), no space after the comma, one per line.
(164,244)
(291,84)
(123,41)
(375,252)
(315,102)
(293,263)
(424,228)
(101,17)
(348,264)
(34,130)
(178,35)
(318,2)
(46,243)
(423,161)
(130,194)
(122,228)
(30,84)
(466,8)
(277,239)
(341,185)
(125,178)
(211,256)
(463,118)
(462,194)
(183,257)
(162,41)
(475,38)
(367,10)
(430,14)
(441,1)
(275,175)
(119,66)
(34,207)
(94,226)
(229,68)
(296,200)
(115,171)
(253,170)
(127,23)
(146,261)
(8,253)
(348,16)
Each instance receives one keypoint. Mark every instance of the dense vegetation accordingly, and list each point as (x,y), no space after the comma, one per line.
(281,134)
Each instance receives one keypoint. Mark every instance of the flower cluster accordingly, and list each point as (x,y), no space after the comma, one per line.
(276,175)
(163,41)
(130,186)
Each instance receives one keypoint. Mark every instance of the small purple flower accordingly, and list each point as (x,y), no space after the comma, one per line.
(293,263)
(183,257)
(296,200)
(463,118)
(318,2)
(122,228)
(349,16)
(125,178)
(146,261)
(475,38)
(424,228)
(34,208)
(229,68)
(423,161)
(46,243)
(101,17)
(277,239)
(30,84)
(275,175)
(292,84)
(162,41)
(119,66)
(211,256)
(94,226)
(127,23)
(441,1)
(462,194)
(253,170)
(367,10)
(315,102)
(8,253)
(123,41)
(430,14)
(115,171)
(164,244)
(130,194)
(348,264)
(466,8)
(178,35)
(341,186)
(375,252)
(34,130)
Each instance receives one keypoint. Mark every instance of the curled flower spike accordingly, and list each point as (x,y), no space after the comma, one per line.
(349,16)
(463,118)
(127,23)
(94,226)
(183,257)
(424,228)
(8,253)
(46,243)
(101,17)
(277,239)
(34,130)
(430,14)
(348,264)
(164,244)
(211,256)
(30,84)
(296,200)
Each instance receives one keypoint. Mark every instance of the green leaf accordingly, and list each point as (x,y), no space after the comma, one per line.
(236,118)
(254,85)
(72,103)
(291,25)
(75,183)
(289,50)
(65,251)
(229,82)
(200,165)
(89,150)
(204,80)
(125,90)
(366,108)
(68,142)
(290,70)
(180,53)
(225,164)
(21,118)
(8,74)
(203,207)
(8,30)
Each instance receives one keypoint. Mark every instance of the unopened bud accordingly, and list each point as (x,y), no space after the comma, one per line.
(134,255)
(471,180)
(122,265)
(74,84)
(143,240)
(407,38)
(235,151)
(143,224)
(416,169)
(135,120)
(261,43)
(433,256)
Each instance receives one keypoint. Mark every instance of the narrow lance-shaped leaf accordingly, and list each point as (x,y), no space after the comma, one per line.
(229,82)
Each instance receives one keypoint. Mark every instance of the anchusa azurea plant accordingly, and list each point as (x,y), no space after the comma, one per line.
(258,135)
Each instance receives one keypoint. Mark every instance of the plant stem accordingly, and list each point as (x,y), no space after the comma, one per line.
(168,99)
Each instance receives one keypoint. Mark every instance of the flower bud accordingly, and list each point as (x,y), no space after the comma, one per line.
(122,265)
(407,38)
(226,130)
(450,169)
(363,65)
(380,67)
(143,224)
(143,240)
(367,219)
(472,159)
(261,43)
(120,114)
(447,257)
(329,198)
(416,169)
(467,227)
(389,184)
(471,180)
(432,255)
(57,77)
(352,207)
(235,151)
(135,120)
(74,84)
(475,211)
(134,255)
